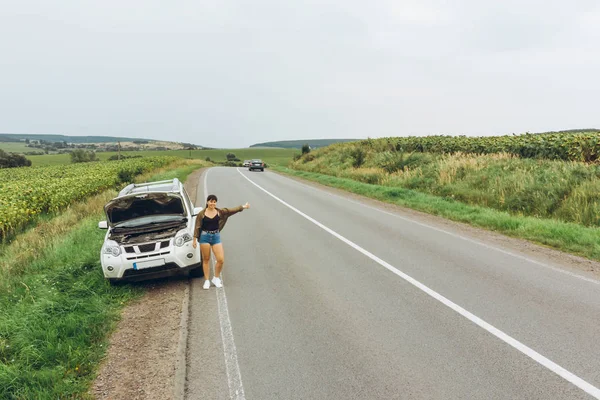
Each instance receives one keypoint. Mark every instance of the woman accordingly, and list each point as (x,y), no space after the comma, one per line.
(209,224)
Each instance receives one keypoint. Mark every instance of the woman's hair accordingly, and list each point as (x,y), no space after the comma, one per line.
(210,197)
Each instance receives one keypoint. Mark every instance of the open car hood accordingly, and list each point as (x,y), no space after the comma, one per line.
(143,204)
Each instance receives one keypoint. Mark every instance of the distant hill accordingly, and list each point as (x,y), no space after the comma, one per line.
(15,137)
(297,144)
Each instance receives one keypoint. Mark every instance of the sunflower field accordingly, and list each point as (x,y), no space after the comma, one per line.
(568,146)
(30,191)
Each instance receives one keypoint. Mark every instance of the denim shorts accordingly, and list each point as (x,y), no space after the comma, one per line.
(210,238)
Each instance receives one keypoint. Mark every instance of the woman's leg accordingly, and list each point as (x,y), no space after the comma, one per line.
(220,257)
(205,251)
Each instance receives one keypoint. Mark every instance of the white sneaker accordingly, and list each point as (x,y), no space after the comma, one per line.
(217,282)
(206,284)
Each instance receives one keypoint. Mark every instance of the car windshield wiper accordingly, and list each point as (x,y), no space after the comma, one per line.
(152,224)
(169,221)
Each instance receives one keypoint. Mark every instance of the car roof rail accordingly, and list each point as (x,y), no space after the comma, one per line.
(129,188)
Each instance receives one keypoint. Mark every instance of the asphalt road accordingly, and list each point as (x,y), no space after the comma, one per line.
(348,301)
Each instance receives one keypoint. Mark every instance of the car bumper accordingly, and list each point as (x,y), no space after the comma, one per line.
(166,262)
(163,271)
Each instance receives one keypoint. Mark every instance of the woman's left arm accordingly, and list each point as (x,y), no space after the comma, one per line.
(235,210)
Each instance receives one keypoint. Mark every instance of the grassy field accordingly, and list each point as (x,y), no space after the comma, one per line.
(16,147)
(270,156)
(565,236)
(564,190)
(552,202)
(56,308)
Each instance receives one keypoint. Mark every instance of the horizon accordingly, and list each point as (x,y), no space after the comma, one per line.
(301,139)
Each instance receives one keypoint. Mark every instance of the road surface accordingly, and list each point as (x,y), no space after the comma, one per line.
(329,298)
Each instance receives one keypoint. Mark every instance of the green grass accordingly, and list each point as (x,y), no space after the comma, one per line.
(569,237)
(55,318)
(564,190)
(56,313)
(270,156)
(16,147)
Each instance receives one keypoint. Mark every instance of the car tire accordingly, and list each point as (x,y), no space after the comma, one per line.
(262,170)
(197,272)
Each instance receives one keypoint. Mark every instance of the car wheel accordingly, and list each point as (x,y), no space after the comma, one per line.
(262,170)
(197,272)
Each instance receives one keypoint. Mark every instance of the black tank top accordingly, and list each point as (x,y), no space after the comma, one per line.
(211,224)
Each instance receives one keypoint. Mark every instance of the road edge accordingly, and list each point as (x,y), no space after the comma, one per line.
(181,352)
(180,375)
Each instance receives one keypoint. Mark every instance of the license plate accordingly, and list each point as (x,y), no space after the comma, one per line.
(148,264)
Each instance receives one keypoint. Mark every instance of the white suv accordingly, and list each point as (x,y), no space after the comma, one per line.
(150,229)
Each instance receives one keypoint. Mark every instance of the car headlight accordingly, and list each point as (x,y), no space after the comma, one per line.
(111,247)
(183,239)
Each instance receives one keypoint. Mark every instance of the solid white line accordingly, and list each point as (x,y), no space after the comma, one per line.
(232,367)
(552,366)
(562,271)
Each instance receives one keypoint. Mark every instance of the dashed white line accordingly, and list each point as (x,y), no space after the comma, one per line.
(534,355)
(232,367)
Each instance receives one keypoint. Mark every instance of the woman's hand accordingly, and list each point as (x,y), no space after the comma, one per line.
(194,243)
(247,205)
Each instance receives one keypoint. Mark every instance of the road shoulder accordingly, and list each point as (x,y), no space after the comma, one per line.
(141,360)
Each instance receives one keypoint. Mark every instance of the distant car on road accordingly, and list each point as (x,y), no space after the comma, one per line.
(246,163)
(256,164)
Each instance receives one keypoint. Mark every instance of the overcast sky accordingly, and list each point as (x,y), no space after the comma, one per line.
(233,73)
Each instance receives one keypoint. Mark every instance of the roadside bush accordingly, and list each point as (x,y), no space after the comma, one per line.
(10,160)
(359,156)
(126,175)
(115,157)
(80,156)
(308,158)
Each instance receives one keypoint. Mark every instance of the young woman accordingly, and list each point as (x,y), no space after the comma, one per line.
(209,224)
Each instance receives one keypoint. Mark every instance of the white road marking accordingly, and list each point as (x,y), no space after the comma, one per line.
(552,366)
(234,377)
(562,271)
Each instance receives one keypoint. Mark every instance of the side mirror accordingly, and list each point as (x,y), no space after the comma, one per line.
(103,225)
(197,210)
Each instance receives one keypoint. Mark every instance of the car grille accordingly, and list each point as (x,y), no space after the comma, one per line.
(148,255)
(146,247)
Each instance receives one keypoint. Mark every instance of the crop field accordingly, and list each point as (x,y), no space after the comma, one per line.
(27,192)
(568,146)
(270,156)
(16,147)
